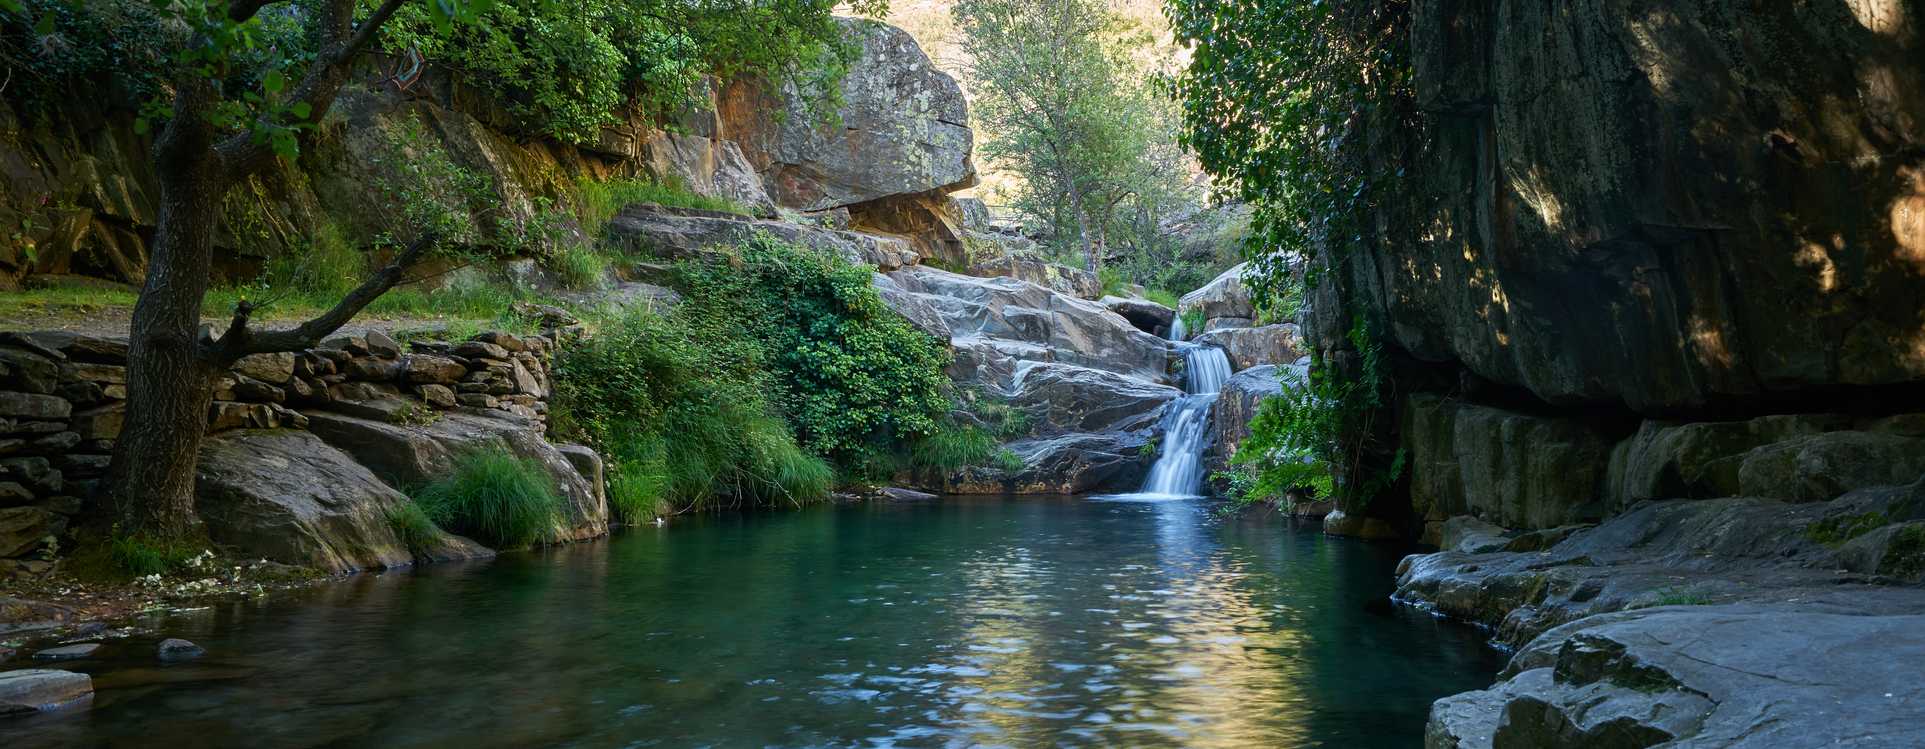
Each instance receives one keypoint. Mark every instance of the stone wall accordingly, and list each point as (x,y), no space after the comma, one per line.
(63,403)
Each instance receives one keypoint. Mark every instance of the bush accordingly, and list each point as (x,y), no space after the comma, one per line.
(579,266)
(853,378)
(412,525)
(495,498)
(953,448)
(1163,297)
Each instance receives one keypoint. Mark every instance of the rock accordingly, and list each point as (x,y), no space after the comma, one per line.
(1651,266)
(24,370)
(24,529)
(289,497)
(1237,405)
(273,369)
(1061,279)
(379,344)
(103,423)
(681,234)
(588,464)
(82,348)
(438,396)
(1472,536)
(1223,298)
(37,689)
(414,455)
(37,473)
(913,307)
(899,494)
(174,649)
(34,406)
(902,128)
(68,652)
(58,442)
(1822,466)
(1146,315)
(995,323)
(426,369)
(1249,347)
(14,493)
(370,369)
(1065,398)
(1076,463)
(481,350)
(527,383)
(1670,460)
(507,341)
(255,391)
(1512,469)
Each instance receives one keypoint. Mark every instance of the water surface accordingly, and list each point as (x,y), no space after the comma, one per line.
(965,622)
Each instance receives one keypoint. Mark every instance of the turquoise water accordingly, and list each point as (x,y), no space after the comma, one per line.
(965,622)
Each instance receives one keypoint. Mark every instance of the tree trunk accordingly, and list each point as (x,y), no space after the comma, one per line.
(169,382)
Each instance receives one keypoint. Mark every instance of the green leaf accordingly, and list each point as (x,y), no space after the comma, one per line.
(274,81)
(300,110)
(44,26)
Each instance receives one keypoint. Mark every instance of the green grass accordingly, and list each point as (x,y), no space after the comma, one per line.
(953,448)
(412,525)
(580,267)
(1192,321)
(1008,421)
(495,498)
(1007,460)
(139,556)
(601,200)
(1161,296)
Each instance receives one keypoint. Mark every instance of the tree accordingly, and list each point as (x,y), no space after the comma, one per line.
(233,100)
(1061,102)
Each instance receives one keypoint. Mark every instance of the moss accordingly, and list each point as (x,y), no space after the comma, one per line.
(1904,553)
(1835,531)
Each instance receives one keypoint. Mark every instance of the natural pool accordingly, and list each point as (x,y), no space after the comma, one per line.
(964,622)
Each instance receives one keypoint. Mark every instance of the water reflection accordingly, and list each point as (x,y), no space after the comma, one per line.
(961,623)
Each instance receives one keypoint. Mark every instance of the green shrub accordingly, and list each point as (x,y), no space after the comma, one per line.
(412,525)
(495,498)
(1010,462)
(953,448)
(1192,321)
(579,266)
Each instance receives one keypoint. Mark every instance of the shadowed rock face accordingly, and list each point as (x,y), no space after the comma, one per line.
(903,128)
(1667,205)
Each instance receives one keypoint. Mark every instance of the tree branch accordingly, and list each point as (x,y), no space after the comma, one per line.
(240,340)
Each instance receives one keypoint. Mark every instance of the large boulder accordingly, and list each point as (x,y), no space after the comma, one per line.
(1061,398)
(996,323)
(1149,317)
(902,128)
(1237,405)
(1612,203)
(1513,469)
(1056,277)
(1797,457)
(680,233)
(30,690)
(1075,463)
(416,454)
(1223,302)
(1249,347)
(288,496)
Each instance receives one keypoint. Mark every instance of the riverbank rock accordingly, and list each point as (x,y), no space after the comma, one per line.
(1516,470)
(1076,463)
(33,690)
(176,649)
(416,454)
(68,652)
(1237,405)
(1062,398)
(288,496)
(1056,277)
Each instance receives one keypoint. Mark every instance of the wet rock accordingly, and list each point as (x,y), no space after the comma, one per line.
(899,494)
(34,690)
(175,649)
(68,652)
(1249,347)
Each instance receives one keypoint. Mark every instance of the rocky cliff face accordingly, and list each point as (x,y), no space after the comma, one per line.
(1669,208)
(1650,292)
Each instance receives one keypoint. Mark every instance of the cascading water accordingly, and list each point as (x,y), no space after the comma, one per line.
(1186,430)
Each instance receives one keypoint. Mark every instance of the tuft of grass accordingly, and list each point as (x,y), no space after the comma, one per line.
(1010,462)
(494,497)
(580,267)
(1679,597)
(601,200)
(141,556)
(952,448)
(412,525)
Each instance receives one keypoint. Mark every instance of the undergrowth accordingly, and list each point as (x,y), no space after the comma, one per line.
(495,498)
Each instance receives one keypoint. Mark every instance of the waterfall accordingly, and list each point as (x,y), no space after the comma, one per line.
(1186,430)
(1177,333)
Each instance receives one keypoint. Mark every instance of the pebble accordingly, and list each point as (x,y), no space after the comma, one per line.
(176,649)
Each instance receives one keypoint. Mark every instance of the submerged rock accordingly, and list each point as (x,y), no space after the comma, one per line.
(68,652)
(175,649)
(33,690)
